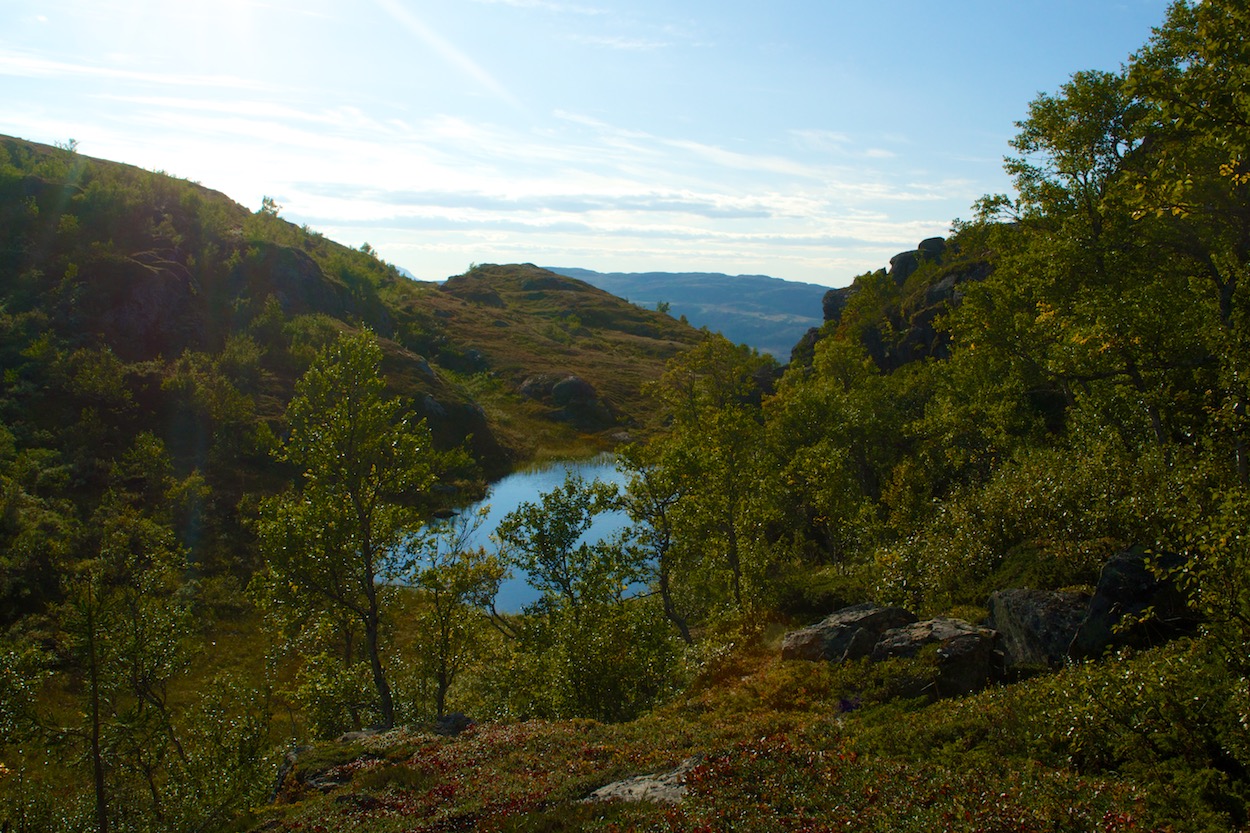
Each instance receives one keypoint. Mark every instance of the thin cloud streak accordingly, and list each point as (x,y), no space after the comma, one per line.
(619,42)
(545,5)
(30,66)
(448,52)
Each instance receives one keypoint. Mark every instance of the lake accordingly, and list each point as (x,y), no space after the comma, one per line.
(526,486)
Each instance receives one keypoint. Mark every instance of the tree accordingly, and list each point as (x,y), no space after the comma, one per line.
(588,648)
(1196,176)
(366,465)
(126,629)
(458,582)
(653,492)
(543,539)
(716,452)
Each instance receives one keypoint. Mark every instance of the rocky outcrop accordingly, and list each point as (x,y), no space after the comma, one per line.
(850,633)
(1118,615)
(1036,627)
(573,390)
(905,330)
(1135,604)
(834,302)
(904,264)
(967,656)
(143,304)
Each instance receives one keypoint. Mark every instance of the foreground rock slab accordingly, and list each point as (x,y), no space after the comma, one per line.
(664,788)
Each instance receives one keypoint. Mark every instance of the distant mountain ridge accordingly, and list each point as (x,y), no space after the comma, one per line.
(769,314)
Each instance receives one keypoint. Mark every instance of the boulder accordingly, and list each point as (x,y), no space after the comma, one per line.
(433,408)
(833,302)
(933,247)
(1036,627)
(451,725)
(849,633)
(1127,588)
(538,386)
(903,265)
(573,390)
(967,655)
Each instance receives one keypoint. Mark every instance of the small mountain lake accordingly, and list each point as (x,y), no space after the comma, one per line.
(527,486)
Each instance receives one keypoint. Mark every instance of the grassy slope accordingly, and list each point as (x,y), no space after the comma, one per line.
(781,746)
(530,321)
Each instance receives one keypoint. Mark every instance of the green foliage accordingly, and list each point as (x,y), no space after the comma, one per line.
(459,583)
(716,459)
(838,428)
(1047,518)
(366,466)
(609,662)
(1215,570)
(587,648)
(544,541)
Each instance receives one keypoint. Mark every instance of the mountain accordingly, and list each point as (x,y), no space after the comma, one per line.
(769,314)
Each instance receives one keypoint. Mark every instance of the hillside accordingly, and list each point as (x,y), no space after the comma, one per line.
(134,302)
(769,314)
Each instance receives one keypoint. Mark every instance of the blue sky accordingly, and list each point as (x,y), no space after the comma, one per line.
(805,140)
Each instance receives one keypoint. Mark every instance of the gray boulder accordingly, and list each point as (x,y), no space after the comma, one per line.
(903,265)
(850,633)
(538,386)
(967,655)
(933,247)
(1036,627)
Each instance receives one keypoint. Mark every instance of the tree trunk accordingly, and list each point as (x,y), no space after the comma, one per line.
(97,760)
(670,609)
(735,563)
(385,704)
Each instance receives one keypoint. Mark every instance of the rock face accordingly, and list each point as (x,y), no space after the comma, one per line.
(967,655)
(1036,627)
(850,633)
(665,788)
(1126,589)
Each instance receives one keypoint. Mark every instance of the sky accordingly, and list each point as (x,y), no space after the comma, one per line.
(804,139)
